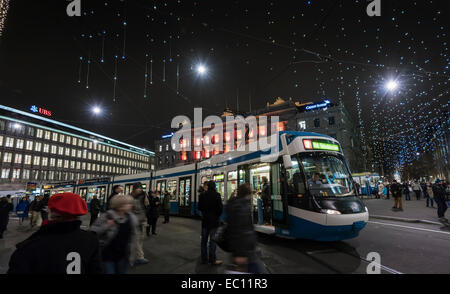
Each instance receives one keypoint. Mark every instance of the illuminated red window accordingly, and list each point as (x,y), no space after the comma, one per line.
(207,154)
(281,127)
(216,138)
(206,140)
(307,144)
(197,142)
(216,151)
(184,156)
(198,155)
(227,149)
(227,137)
(239,134)
(251,134)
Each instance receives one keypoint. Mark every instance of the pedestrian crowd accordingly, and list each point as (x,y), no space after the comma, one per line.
(434,192)
(114,242)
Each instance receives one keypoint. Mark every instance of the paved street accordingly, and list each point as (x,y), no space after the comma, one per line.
(404,247)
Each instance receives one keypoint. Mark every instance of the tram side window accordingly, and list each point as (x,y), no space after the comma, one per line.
(172,189)
(295,179)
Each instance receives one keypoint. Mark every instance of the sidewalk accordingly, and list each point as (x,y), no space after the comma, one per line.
(413,210)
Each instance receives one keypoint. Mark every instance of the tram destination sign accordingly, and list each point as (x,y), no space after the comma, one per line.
(320,145)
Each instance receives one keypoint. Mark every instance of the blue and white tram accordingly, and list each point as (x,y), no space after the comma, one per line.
(313,195)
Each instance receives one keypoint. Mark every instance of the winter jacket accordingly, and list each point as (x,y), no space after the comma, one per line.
(416,186)
(22,208)
(107,233)
(395,190)
(439,192)
(153,208)
(5,208)
(265,193)
(240,233)
(210,205)
(36,205)
(57,248)
(95,206)
(139,207)
(166,201)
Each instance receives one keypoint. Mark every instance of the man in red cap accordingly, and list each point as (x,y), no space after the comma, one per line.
(60,246)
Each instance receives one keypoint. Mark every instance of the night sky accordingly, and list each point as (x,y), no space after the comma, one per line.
(342,54)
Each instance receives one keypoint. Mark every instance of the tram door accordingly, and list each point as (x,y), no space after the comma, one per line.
(280,208)
(184,199)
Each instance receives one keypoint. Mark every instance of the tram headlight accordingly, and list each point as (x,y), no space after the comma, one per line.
(367,210)
(330,211)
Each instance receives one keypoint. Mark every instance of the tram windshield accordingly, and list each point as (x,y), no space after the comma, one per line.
(327,175)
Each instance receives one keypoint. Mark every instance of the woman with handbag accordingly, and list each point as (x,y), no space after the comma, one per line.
(22,209)
(240,235)
(116,230)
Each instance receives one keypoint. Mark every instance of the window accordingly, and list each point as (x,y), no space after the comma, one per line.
(26,174)
(89,155)
(66,164)
(74,152)
(39,133)
(55,137)
(46,148)
(30,131)
(83,166)
(27,159)
(74,141)
(9,142)
(19,144)
(53,149)
(44,161)
(302,125)
(2,125)
(52,162)
(79,153)
(72,164)
(36,160)
(5,173)
(1,141)
(67,151)
(68,140)
(90,145)
(78,165)
(37,146)
(51,175)
(60,150)
(60,162)
(331,120)
(80,142)
(317,123)
(16,173)
(47,135)
(88,166)
(18,159)
(61,138)
(7,157)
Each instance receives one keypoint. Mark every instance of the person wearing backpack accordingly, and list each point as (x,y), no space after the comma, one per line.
(116,230)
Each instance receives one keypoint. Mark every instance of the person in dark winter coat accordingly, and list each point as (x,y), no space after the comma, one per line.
(5,207)
(267,201)
(240,234)
(36,208)
(166,207)
(406,190)
(44,211)
(397,194)
(440,197)
(152,212)
(117,189)
(95,209)
(116,230)
(211,207)
(60,247)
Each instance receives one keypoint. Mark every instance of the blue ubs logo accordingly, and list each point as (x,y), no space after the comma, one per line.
(34,108)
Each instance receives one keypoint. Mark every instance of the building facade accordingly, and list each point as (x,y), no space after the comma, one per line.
(37,149)
(321,117)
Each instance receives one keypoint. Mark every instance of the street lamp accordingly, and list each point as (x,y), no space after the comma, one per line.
(391,85)
(201,69)
(96,110)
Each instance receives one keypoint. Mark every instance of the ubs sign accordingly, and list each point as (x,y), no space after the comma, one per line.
(40,110)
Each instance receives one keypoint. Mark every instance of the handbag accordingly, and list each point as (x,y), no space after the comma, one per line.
(220,238)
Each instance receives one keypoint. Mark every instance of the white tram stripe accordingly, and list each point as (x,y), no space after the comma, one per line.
(414,228)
